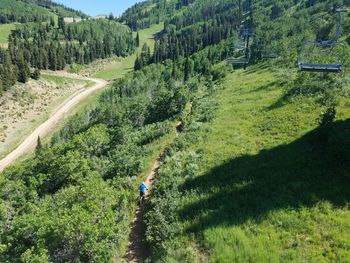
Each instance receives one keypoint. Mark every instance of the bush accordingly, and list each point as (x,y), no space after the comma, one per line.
(36,74)
(328,117)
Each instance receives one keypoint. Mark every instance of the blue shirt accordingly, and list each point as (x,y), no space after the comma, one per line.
(143,188)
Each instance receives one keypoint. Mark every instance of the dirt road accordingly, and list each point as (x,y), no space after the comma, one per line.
(30,142)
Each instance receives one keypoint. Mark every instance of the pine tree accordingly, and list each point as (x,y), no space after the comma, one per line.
(39,146)
(23,68)
(52,21)
(138,64)
(137,39)
(61,24)
(36,74)
(52,57)
(187,69)
(174,70)
(9,76)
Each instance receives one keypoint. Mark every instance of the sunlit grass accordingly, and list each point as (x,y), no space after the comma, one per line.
(126,65)
(5,31)
(265,192)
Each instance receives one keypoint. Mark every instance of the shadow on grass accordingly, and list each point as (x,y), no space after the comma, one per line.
(266,87)
(279,103)
(260,67)
(302,173)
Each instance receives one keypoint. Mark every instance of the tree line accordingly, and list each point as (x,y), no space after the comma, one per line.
(25,11)
(50,47)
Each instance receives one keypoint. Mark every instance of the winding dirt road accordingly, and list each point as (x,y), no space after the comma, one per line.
(30,142)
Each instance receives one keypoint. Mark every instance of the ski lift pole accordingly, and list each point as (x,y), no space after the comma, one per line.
(337,36)
(246,51)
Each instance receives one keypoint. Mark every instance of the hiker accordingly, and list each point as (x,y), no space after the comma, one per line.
(143,188)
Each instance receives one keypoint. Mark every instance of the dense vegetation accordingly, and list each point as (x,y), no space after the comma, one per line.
(257,163)
(279,28)
(49,47)
(218,199)
(249,170)
(72,200)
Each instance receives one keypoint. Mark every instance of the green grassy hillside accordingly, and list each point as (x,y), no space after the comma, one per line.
(127,64)
(33,11)
(261,182)
(5,31)
(258,171)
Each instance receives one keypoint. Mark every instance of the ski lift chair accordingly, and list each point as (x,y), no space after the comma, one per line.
(328,61)
(243,59)
(238,61)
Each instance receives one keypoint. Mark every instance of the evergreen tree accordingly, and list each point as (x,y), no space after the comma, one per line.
(52,57)
(137,39)
(138,64)
(39,146)
(23,68)
(36,74)
(52,21)
(187,69)
(174,70)
(9,74)
(61,24)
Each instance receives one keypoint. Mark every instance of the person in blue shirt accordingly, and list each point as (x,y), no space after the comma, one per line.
(143,189)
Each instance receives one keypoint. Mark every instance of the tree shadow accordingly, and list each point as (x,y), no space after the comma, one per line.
(269,86)
(298,174)
(278,103)
(261,67)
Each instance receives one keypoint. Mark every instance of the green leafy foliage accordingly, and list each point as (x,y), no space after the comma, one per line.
(73,198)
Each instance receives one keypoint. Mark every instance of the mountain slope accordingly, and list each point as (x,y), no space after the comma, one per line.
(24,11)
(259,173)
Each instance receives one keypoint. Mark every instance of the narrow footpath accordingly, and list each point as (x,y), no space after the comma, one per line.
(136,251)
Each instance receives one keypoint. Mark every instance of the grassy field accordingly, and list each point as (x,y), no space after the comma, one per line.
(125,65)
(268,188)
(5,31)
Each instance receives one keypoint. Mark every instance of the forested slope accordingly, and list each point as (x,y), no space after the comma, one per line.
(24,11)
(33,47)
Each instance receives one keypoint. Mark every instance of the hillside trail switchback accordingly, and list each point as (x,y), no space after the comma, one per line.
(30,142)
(136,250)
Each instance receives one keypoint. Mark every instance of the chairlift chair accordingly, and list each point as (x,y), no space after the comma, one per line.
(328,49)
(238,61)
(329,57)
(242,60)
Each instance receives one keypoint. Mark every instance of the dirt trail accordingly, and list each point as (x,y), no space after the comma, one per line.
(136,251)
(30,142)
